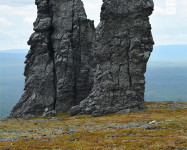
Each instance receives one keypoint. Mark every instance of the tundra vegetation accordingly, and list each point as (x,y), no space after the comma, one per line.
(162,126)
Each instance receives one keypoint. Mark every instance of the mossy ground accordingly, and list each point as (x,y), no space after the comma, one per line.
(101,133)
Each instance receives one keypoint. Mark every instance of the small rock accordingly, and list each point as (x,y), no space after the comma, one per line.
(60,128)
(29,116)
(2,139)
(49,114)
(153,122)
(72,130)
(135,124)
(46,109)
(75,110)
(125,111)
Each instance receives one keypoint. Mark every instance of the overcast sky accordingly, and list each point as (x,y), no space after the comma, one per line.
(169,21)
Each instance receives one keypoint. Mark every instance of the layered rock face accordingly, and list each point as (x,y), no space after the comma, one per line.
(73,41)
(123,46)
(59,65)
(39,69)
(72,66)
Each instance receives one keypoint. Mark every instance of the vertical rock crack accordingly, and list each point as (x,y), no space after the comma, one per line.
(52,55)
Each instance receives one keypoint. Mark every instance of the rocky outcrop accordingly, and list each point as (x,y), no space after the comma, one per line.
(39,70)
(72,40)
(59,65)
(97,73)
(123,46)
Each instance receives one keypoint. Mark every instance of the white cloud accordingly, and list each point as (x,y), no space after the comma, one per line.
(27,12)
(5,22)
(29,19)
(15,35)
(169,29)
(167,39)
(182,4)
(159,11)
(16,3)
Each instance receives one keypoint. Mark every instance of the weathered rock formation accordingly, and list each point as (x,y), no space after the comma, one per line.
(67,67)
(59,65)
(39,70)
(73,39)
(123,46)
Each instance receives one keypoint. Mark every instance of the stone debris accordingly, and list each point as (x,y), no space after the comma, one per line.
(153,122)
(2,139)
